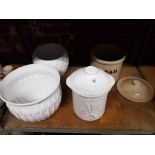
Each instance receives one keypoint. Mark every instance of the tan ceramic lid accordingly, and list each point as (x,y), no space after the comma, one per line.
(135,89)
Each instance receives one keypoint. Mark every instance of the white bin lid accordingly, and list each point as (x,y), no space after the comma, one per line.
(90,82)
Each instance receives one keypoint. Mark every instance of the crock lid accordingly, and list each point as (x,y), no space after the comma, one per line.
(90,81)
(135,89)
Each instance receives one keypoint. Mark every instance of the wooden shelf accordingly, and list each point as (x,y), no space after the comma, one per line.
(121,116)
(148,73)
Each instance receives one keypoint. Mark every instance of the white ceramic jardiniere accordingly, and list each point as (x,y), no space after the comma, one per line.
(32,93)
(52,55)
(90,87)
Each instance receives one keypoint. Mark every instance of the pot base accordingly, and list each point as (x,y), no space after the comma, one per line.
(89,109)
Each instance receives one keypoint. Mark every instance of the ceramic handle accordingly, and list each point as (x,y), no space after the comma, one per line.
(136,82)
(91,70)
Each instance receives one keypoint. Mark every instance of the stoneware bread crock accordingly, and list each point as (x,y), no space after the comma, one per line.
(90,87)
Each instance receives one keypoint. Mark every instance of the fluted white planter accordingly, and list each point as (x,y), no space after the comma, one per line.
(32,93)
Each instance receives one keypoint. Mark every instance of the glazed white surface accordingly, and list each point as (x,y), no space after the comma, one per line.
(89,109)
(60,64)
(90,87)
(32,93)
(90,82)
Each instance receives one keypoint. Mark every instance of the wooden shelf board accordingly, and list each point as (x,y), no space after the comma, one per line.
(121,116)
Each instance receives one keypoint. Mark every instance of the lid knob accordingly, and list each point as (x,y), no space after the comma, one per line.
(136,82)
(91,70)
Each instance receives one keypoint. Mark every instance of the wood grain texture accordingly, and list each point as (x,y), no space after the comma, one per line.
(148,72)
(121,116)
